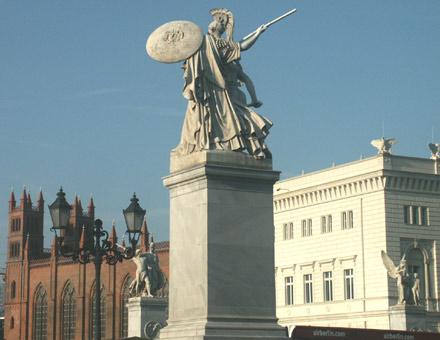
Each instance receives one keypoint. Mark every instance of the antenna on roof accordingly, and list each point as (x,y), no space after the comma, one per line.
(432,134)
(383,128)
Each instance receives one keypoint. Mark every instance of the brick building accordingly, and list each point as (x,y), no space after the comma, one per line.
(51,297)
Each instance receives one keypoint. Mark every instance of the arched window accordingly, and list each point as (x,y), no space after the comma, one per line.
(11,326)
(68,312)
(416,266)
(124,309)
(93,311)
(13,289)
(40,315)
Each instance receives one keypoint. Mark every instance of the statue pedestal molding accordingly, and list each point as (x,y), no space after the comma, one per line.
(142,310)
(222,283)
(407,317)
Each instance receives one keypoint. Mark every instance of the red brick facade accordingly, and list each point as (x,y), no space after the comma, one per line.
(31,269)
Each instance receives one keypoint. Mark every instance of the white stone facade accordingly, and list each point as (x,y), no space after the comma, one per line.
(367,201)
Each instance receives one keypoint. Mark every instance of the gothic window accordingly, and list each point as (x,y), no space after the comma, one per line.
(11,326)
(68,313)
(93,311)
(13,289)
(40,315)
(14,249)
(124,309)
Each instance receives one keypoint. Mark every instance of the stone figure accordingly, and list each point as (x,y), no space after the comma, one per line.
(141,284)
(416,289)
(435,150)
(149,278)
(218,116)
(383,145)
(399,273)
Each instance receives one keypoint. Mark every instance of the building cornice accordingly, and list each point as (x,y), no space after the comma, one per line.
(358,185)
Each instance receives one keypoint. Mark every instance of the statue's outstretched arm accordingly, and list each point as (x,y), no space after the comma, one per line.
(247,43)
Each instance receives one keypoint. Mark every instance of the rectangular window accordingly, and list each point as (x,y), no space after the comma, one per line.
(306,227)
(303,228)
(416,215)
(349,284)
(406,214)
(288,288)
(288,231)
(326,224)
(350,219)
(308,288)
(328,286)
(347,219)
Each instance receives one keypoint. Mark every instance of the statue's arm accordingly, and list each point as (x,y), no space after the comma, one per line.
(247,43)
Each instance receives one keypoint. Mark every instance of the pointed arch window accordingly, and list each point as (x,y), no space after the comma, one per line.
(93,311)
(40,314)
(13,289)
(124,309)
(68,311)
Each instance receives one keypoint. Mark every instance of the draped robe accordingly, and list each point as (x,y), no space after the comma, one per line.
(217,116)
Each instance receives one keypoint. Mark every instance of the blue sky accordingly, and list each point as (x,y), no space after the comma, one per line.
(81,105)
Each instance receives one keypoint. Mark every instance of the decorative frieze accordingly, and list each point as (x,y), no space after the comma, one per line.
(314,195)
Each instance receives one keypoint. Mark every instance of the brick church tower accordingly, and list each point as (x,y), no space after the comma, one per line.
(25,241)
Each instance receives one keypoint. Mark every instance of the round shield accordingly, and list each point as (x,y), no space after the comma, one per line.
(174,41)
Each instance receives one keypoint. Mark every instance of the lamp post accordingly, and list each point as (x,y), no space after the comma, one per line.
(101,249)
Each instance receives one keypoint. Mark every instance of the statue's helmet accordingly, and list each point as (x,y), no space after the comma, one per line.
(226,18)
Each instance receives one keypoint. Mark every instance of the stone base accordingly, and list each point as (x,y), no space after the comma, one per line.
(142,310)
(232,329)
(407,317)
(222,282)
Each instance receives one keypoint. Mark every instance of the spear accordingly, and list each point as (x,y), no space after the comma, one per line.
(270,23)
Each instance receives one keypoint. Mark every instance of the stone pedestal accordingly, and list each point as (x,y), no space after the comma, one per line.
(222,282)
(142,310)
(407,317)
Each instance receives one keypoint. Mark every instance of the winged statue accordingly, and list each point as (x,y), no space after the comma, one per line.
(383,145)
(435,150)
(400,274)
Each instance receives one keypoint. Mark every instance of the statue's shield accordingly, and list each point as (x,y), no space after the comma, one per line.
(174,41)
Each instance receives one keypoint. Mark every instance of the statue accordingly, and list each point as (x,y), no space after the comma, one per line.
(149,280)
(435,150)
(415,289)
(218,116)
(383,145)
(400,274)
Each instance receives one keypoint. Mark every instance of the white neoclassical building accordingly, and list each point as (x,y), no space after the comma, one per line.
(330,228)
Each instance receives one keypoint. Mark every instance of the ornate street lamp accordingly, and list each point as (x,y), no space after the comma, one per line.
(102,249)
